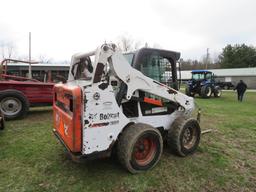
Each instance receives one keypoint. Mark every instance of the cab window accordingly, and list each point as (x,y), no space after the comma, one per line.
(198,76)
(157,68)
(208,76)
(129,57)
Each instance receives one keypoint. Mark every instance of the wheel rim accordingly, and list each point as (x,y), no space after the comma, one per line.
(208,91)
(144,150)
(189,137)
(218,93)
(11,106)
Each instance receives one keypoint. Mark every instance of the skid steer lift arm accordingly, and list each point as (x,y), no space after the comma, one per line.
(107,56)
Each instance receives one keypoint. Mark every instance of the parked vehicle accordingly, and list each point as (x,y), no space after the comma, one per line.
(18,94)
(202,83)
(225,85)
(44,72)
(109,105)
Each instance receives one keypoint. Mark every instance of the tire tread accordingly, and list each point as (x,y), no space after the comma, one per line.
(173,138)
(129,136)
(19,95)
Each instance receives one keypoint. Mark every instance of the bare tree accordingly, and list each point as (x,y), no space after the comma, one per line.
(1,45)
(206,59)
(23,57)
(10,50)
(137,45)
(7,49)
(126,43)
(216,59)
(2,50)
(45,59)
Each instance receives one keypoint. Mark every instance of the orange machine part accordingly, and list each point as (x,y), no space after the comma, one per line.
(67,115)
(153,101)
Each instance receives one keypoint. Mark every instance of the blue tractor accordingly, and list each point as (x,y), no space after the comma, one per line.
(202,83)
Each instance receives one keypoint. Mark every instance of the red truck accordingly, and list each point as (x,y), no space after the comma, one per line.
(18,94)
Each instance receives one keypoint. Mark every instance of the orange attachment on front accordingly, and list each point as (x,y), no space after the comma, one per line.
(153,101)
(67,115)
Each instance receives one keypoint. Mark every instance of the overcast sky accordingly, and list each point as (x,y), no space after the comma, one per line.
(61,28)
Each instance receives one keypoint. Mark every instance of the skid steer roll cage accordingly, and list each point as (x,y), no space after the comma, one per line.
(108,58)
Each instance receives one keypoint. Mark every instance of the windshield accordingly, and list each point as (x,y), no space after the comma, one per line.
(197,76)
(129,57)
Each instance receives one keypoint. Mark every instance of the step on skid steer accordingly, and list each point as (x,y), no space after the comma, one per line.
(108,106)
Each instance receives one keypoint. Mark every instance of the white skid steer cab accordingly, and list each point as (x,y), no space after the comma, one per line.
(114,102)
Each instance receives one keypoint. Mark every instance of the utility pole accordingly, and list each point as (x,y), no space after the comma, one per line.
(29,67)
(207,58)
(180,66)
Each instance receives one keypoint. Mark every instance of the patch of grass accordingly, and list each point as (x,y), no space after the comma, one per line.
(31,158)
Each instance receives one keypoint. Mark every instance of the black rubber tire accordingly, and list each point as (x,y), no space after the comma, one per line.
(217,92)
(206,91)
(176,135)
(126,147)
(2,123)
(188,92)
(20,97)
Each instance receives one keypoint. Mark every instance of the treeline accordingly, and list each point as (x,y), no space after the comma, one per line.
(232,56)
(195,64)
(238,56)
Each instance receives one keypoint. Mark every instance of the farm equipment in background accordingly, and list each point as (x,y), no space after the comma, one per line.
(202,83)
(17,93)
(225,85)
(116,104)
